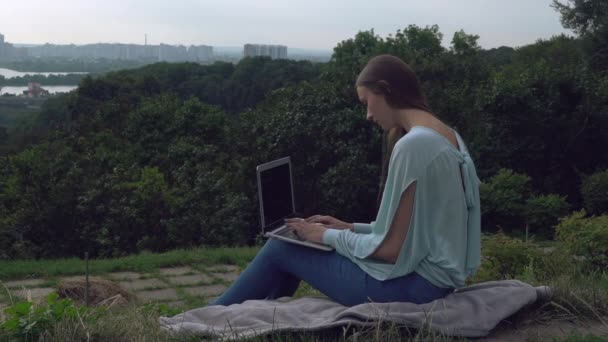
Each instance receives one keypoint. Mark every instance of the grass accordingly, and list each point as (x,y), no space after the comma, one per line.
(143,326)
(580,338)
(579,296)
(144,262)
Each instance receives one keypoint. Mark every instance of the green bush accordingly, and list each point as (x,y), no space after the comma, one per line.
(503,200)
(504,257)
(595,193)
(550,264)
(586,237)
(543,213)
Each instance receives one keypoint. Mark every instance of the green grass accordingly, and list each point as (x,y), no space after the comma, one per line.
(579,338)
(144,262)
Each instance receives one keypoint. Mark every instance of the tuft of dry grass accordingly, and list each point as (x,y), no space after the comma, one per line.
(102,292)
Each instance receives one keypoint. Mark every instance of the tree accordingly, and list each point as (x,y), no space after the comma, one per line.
(503,200)
(335,152)
(465,44)
(583,16)
(589,19)
(349,57)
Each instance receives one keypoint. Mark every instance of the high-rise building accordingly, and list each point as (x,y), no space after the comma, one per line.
(272,51)
(200,53)
(6,49)
(1,47)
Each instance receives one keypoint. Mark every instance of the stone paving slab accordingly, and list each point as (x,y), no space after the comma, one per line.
(230,277)
(37,294)
(141,284)
(224,268)
(74,278)
(189,279)
(24,282)
(157,295)
(124,275)
(176,271)
(205,291)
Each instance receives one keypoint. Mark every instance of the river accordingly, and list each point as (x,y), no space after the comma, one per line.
(18,90)
(52,89)
(8,73)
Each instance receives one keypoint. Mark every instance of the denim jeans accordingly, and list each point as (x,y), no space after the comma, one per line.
(278,268)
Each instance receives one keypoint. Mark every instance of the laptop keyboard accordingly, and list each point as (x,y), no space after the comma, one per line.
(287,232)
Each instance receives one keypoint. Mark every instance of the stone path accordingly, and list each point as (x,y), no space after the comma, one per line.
(175,286)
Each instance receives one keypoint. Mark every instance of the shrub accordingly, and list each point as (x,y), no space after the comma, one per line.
(586,237)
(503,200)
(595,193)
(543,213)
(552,263)
(504,257)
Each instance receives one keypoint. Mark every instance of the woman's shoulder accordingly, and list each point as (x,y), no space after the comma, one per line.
(421,140)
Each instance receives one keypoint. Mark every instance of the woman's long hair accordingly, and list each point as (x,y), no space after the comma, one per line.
(390,76)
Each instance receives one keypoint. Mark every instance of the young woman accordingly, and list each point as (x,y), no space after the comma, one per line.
(425,241)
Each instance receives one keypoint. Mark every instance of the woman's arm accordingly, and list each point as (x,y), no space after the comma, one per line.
(362,228)
(391,245)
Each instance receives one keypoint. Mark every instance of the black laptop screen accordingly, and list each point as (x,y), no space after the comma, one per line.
(276,194)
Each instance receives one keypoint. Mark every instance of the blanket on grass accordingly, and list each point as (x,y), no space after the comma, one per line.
(471,311)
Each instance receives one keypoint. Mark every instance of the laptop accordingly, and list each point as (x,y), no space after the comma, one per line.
(275,191)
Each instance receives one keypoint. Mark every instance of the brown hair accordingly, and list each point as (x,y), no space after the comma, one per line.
(391,77)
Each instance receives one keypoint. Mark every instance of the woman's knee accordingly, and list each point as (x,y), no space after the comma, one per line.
(275,247)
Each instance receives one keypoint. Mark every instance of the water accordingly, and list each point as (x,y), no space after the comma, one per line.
(51,89)
(18,90)
(8,73)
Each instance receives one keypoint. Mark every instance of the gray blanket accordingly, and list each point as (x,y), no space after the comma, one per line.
(471,311)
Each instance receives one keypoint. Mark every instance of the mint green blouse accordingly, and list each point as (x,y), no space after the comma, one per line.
(443,240)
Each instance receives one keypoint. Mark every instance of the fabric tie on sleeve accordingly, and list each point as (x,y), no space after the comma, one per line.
(471,182)
(467,168)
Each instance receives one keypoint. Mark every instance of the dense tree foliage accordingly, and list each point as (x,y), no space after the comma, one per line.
(589,18)
(164,156)
(97,65)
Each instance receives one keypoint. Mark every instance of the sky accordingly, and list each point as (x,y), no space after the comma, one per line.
(309,24)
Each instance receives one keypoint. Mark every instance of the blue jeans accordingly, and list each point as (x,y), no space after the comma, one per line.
(278,268)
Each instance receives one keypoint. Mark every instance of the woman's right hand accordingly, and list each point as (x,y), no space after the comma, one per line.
(330,222)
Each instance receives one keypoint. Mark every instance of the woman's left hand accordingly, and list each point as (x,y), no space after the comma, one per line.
(309,231)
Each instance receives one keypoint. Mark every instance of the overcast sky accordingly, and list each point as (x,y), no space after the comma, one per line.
(311,24)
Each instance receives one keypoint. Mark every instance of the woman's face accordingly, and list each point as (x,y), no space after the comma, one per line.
(378,109)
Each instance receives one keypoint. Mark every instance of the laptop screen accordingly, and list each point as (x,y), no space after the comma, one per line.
(276,194)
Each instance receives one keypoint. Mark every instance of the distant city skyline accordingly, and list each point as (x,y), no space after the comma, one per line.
(311,24)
